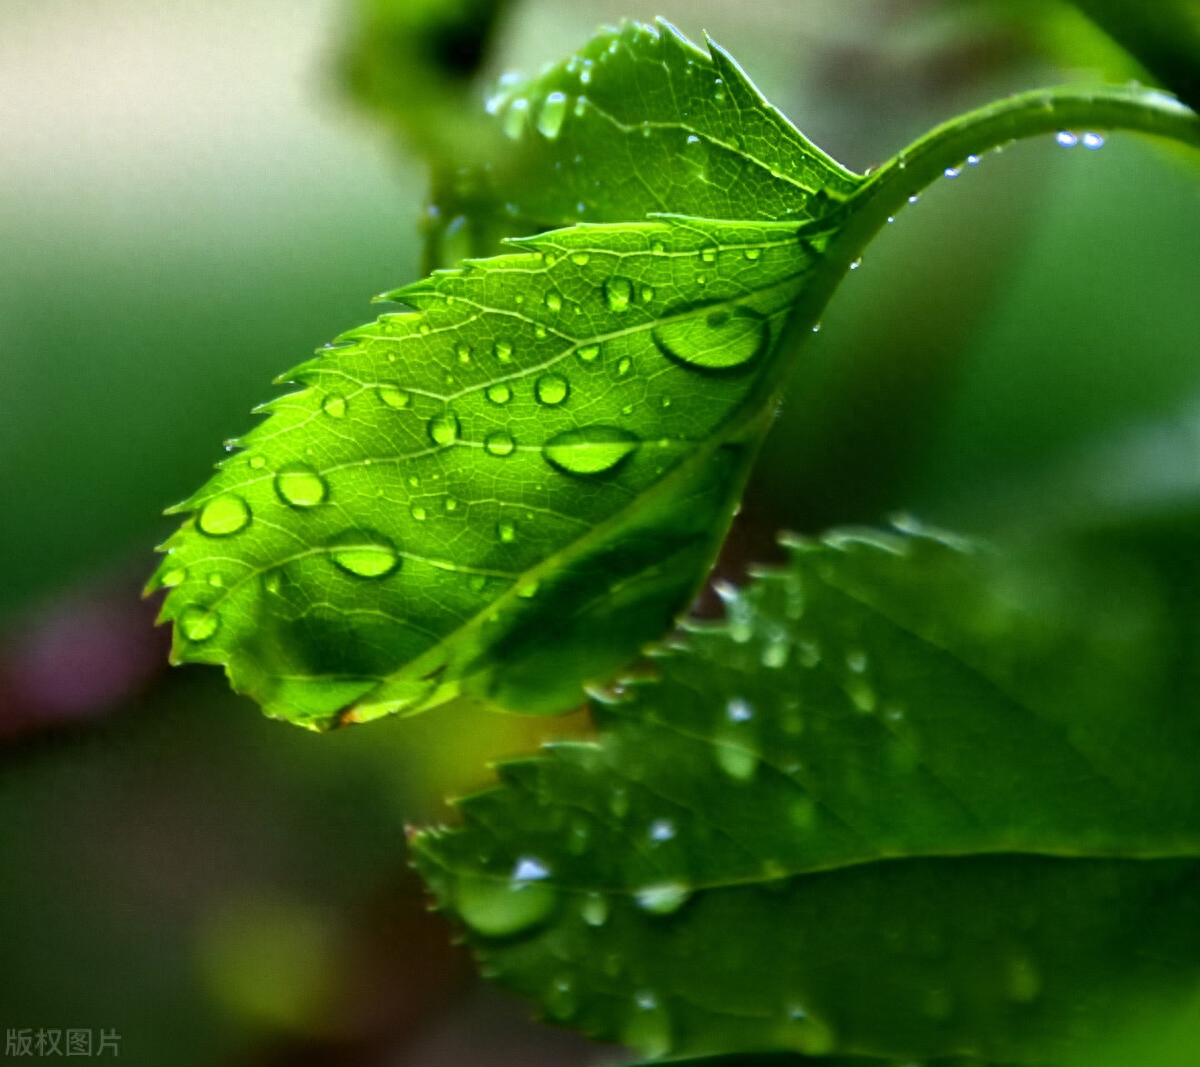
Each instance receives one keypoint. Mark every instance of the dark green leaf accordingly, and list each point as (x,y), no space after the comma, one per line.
(916,798)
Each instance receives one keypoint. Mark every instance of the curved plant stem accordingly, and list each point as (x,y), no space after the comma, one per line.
(927,159)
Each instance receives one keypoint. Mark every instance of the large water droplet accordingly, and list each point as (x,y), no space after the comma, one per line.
(334,406)
(617,293)
(514,118)
(550,118)
(718,341)
(501,908)
(594,909)
(552,389)
(444,428)
(364,553)
(198,624)
(499,443)
(499,393)
(662,898)
(300,486)
(591,450)
(393,396)
(224,515)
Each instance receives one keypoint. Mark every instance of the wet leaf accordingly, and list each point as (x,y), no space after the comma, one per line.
(915,799)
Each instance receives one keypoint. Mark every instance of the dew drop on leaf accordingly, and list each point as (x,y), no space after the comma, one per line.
(663,898)
(580,259)
(719,341)
(257,462)
(198,624)
(499,443)
(364,553)
(501,908)
(417,512)
(506,532)
(514,118)
(393,396)
(550,118)
(648,1029)
(594,909)
(552,389)
(617,293)
(553,300)
(1066,138)
(224,515)
(503,351)
(752,253)
(334,406)
(173,578)
(624,366)
(590,450)
(589,353)
(299,486)
(463,350)
(444,428)
(499,393)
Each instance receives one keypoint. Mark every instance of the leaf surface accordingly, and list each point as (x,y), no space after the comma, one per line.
(912,800)
(510,488)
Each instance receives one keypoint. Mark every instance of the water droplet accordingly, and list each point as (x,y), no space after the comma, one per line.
(560,998)
(585,75)
(506,532)
(499,443)
(951,172)
(423,329)
(708,255)
(175,576)
(647,294)
(530,869)
(1092,141)
(224,515)
(591,450)
(624,366)
(334,406)
(499,393)
(418,512)
(662,898)
(503,351)
(1066,138)
(775,651)
(718,341)
(364,553)
(552,389)
(198,624)
(648,1029)
(914,198)
(617,293)
(580,259)
(861,695)
(739,710)
(514,118)
(300,486)
(553,300)
(805,1034)
(718,91)
(972,161)
(580,106)
(588,353)
(856,660)
(257,462)
(496,908)
(856,264)
(444,428)
(658,248)
(393,396)
(550,118)
(736,759)
(594,909)
(661,830)
(752,253)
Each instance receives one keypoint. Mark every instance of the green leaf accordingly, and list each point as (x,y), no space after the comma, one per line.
(916,798)
(638,121)
(511,488)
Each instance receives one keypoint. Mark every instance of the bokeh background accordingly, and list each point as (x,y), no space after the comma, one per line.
(195,194)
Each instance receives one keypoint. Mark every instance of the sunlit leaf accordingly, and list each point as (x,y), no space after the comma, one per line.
(915,798)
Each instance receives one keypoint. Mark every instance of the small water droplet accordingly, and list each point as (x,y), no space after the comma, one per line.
(216,579)
(364,553)
(580,106)
(752,253)
(662,898)
(617,293)
(463,351)
(775,651)
(502,350)
(498,908)
(718,90)
(708,255)
(224,515)
(590,450)
(552,389)
(647,294)
(972,161)
(951,172)
(585,75)
(550,118)
(499,443)
(594,909)
(553,300)
(506,532)
(530,869)
(257,462)
(1092,141)
(739,710)
(580,259)
(1066,139)
(444,428)
(423,329)
(718,341)
(300,486)
(499,393)
(334,406)
(198,624)
(661,830)
(588,353)
(648,1029)
(658,248)
(856,264)
(514,118)
(914,198)
(175,576)
(624,366)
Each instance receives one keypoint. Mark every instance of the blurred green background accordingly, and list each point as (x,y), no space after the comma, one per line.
(192,198)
